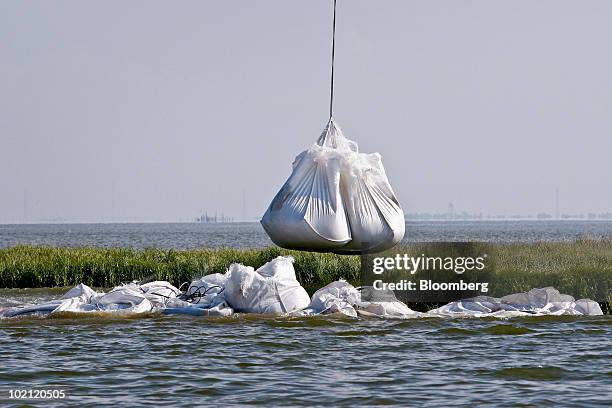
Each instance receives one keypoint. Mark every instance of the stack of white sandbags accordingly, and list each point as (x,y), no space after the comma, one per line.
(152,297)
(274,289)
(539,302)
(271,289)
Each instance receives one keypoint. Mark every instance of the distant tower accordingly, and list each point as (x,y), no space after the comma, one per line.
(451,211)
(557,214)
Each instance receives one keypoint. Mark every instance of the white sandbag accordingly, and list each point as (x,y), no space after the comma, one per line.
(208,282)
(210,301)
(80,294)
(152,297)
(539,302)
(587,307)
(342,297)
(77,299)
(81,291)
(272,289)
(386,310)
(336,200)
(383,304)
(210,287)
(536,299)
(126,299)
(337,297)
(160,289)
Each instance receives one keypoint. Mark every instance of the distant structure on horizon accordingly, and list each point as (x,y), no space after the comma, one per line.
(453,214)
(465,216)
(206,219)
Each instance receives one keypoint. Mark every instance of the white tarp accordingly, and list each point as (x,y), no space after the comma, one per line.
(336,200)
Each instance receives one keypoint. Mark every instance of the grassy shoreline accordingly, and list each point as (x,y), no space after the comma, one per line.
(580,268)
(39,266)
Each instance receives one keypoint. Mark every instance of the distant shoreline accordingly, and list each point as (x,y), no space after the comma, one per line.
(434,220)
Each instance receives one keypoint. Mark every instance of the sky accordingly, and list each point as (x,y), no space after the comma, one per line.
(158,110)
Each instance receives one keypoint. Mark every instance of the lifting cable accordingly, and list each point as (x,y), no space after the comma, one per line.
(331,92)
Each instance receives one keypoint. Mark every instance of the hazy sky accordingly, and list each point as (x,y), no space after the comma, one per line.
(174,107)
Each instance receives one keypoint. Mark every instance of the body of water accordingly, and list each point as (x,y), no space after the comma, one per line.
(250,359)
(253,359)
(252,235)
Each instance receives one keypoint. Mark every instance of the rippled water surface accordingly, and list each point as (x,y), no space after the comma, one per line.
(252,235)
(330,361)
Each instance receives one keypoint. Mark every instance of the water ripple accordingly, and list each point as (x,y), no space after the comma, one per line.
(249,359)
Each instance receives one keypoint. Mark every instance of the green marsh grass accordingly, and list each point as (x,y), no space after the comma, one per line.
(35,267)
(582,268)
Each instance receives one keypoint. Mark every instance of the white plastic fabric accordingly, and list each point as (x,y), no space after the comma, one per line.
(152,297)
(342,297)
(272,289)
(336,200)
(539,302)
(337,297)
(212,286)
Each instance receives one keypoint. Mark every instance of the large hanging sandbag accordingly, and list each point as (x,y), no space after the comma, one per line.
(336,200)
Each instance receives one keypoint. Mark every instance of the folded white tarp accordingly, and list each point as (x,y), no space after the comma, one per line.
(336,200)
